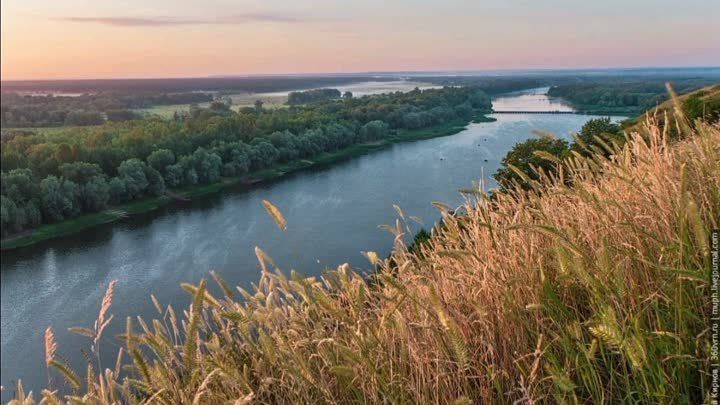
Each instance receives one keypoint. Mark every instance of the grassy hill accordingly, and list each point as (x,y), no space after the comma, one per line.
(594,293)
(704,103)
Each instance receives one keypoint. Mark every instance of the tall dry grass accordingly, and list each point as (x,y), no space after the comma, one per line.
(593,293)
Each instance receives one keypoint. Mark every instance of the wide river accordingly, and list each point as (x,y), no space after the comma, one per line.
(333,214)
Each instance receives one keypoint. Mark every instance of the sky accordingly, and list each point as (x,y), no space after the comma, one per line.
(77,39)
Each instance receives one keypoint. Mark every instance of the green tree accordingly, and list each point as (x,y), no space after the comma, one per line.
(9,219)
(603,128)
(80,172)
(132,173)
(117,190)
(374,130)
(160,159)
(523,157)
(95,194)
(55,203)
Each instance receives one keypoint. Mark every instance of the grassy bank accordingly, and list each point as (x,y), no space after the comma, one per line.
(590,293)
(115,213)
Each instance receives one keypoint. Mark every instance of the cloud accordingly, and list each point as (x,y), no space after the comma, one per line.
(170,21)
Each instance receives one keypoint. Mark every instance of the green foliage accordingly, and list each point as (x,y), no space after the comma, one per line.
(52,111)
(596,132)
(130,160)
(702,105)
(631,96)
(523,164)
(120,115)
(82,118)
(161,159)
(314,95)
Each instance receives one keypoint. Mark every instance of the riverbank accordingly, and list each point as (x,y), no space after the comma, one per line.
(118,212)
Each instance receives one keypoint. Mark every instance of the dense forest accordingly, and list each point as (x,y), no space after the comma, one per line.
(92,102)
(50,177)
(622,96)
(19,111)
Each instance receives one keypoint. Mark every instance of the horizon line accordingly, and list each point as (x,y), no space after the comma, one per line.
(368,73)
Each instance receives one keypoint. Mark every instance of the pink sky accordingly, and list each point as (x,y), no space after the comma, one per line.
(44,39)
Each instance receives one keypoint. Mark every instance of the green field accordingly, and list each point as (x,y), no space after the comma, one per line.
(270,101)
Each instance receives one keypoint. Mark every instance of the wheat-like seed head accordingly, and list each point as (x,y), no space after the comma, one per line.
(50,346)
(106,302)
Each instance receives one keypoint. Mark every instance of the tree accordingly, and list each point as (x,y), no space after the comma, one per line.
(132,173)
(95,194)
(121,115)
(523,157)
(84,118)
(80,172)
(480,100)
(63,153)
(9,219)
(412,121)
(32,215)
(263,154)
(374,130)
(208,166)
(312,96)
(464,110)
(219,106)
(174,175)
(347,95)
(602,128)
(117,190)
(156,183)
(258,106)
(160,159)
(18,185)
(55,203)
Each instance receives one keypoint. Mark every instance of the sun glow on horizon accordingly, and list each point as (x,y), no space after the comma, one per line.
(75,40)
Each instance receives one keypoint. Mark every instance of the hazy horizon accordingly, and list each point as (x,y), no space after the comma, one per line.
(44,40)
(412,74)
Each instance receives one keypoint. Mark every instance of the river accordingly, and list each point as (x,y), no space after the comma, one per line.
(332,213)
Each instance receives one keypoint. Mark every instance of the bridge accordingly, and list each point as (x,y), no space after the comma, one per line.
(533,112)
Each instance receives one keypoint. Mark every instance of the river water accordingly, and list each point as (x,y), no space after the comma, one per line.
(333,214)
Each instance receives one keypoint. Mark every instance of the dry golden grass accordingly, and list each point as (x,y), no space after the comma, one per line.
(593,293)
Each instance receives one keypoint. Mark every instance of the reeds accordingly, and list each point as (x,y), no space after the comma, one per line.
(590,291)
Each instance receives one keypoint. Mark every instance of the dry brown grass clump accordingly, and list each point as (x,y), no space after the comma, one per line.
(592,293)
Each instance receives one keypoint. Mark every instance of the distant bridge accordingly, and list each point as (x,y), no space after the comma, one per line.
(533,112)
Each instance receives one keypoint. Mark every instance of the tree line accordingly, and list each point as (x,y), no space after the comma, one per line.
(51,177)
(20,111)
(313,96)
(623,96)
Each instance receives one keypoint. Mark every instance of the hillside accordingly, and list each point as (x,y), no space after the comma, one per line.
(701,103)
(590,293)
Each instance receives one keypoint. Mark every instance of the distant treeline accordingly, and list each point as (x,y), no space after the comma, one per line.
(256,84)
(19,111)
(50,177)
(492,85)
(312,96)
(630,96)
